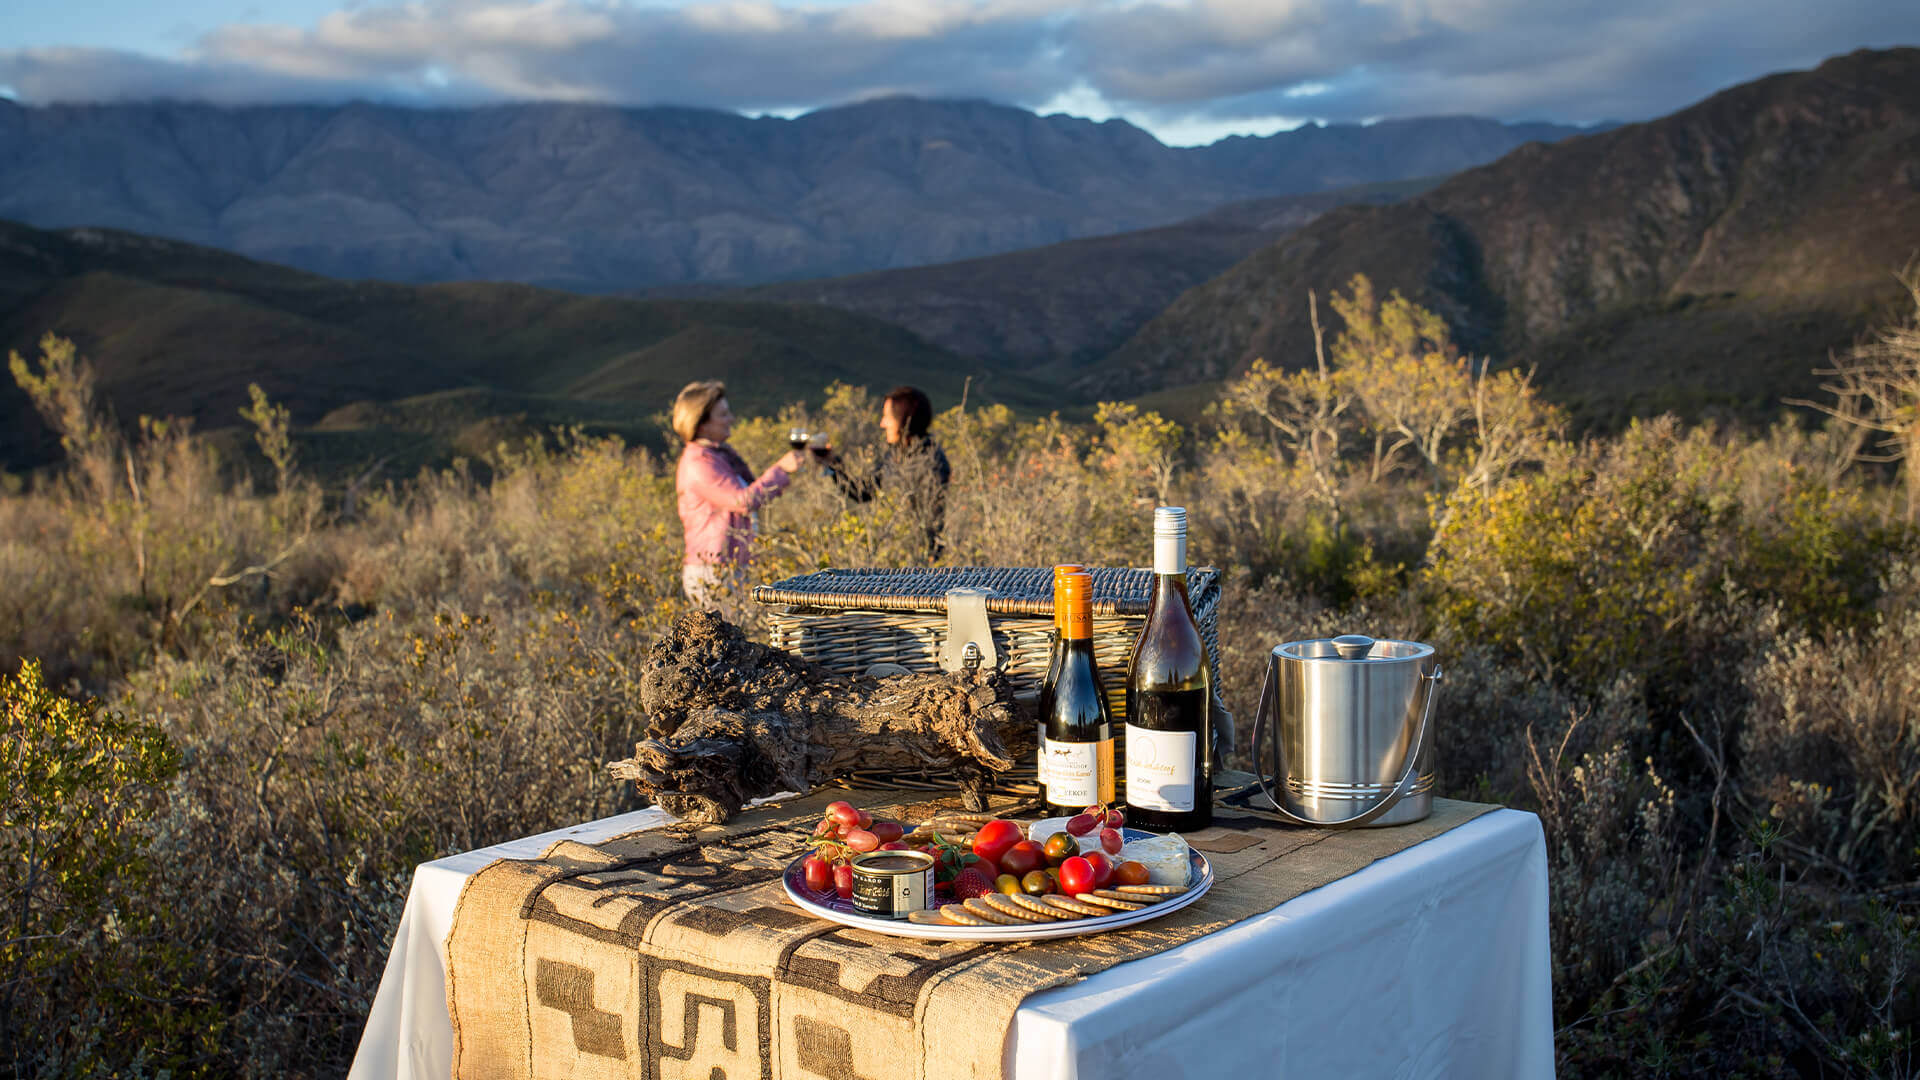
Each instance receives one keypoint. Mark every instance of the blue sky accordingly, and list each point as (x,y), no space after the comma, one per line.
(1187,70)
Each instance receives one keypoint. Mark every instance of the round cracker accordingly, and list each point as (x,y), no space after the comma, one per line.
(929,918)
(1105,902)
(1069,904)
(1132,898)
(954,913)
(978,906)
(1004,904)
(1039,906)
(1144,891)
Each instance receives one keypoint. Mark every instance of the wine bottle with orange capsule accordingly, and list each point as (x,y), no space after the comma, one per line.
(1077,744)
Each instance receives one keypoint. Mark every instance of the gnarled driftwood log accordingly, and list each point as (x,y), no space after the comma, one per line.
(731,720)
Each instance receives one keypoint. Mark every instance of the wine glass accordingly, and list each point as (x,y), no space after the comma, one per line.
(798,437)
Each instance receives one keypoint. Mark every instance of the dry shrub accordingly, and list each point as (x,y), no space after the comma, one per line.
(1694,653)
(1832,742)
(323,762)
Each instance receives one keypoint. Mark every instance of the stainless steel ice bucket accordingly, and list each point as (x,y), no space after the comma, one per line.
(1352,722)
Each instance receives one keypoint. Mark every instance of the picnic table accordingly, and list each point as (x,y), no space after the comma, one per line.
(1431,961)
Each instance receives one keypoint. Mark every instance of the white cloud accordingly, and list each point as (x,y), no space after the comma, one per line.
(1182,68)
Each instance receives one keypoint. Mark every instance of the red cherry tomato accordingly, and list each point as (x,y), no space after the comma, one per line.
(994,838)
(844,813)
(1023,858)
(1102,868)
(819,874)
(843,881)
(1076,876)
(1130,873)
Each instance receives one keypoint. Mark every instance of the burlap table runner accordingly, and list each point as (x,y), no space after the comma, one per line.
(674,953)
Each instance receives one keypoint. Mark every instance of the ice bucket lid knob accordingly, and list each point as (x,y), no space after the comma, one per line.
(1353,646)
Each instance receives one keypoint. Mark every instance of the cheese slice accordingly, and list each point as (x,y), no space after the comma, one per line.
(1165,858)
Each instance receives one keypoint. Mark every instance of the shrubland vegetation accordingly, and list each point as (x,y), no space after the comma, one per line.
(241,709)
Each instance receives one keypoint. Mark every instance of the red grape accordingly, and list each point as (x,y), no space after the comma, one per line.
(1110,839)
(843,881)
(892,845)
(862,840)
(1116,818)
(1081,825)
(827,826)
(866,819)
(844,813)
(887,831)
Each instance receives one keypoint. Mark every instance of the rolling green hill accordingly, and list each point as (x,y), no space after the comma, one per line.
(174,329)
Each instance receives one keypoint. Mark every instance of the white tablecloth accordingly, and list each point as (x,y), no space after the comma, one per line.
(1429,963)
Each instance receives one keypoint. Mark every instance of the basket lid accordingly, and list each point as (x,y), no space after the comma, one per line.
(1017,590)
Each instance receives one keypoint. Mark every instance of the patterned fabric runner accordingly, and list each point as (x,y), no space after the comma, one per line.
(674,953)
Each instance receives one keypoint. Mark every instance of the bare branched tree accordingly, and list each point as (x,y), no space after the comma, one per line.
(1305,411)
(1876,391)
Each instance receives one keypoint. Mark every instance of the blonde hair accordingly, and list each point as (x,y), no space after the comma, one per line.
(694,405)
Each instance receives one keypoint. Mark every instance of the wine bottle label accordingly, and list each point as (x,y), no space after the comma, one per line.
(1160,767)
(1077,773)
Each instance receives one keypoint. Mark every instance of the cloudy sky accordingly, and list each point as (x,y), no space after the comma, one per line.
(1189,71)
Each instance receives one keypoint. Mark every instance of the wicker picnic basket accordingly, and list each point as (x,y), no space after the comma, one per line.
(851,620)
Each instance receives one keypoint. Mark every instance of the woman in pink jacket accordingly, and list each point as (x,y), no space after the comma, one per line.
(718,492)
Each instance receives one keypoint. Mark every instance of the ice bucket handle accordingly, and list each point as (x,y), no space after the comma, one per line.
(1270,707)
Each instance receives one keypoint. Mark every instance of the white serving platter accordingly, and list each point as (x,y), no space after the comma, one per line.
(829,906)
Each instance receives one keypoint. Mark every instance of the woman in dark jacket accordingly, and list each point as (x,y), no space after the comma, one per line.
(912,461)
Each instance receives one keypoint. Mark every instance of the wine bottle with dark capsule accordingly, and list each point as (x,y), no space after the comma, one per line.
(1169,729)
(1076,751)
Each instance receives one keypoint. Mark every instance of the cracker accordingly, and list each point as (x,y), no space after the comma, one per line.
(978,907)
(1039,906)
(929,918)
(1145,891)
(958,915)
(1132,898)
(1116,905)
(1004,904)
(1069,904)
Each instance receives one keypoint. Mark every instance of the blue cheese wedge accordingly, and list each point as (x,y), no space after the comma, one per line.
(1165,858)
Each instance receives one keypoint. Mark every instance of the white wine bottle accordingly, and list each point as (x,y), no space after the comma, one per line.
(1169,729)
(1077,745)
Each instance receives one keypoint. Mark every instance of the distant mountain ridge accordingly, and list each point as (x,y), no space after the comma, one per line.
(1705,260)
(1062,307)
(600,198)
(178,330)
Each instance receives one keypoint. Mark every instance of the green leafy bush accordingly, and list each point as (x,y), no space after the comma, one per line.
(86,967)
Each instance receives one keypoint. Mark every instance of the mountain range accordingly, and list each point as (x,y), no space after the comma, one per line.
(1703,262)
(600,198)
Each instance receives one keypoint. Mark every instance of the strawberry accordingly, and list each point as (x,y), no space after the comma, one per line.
(971,883)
